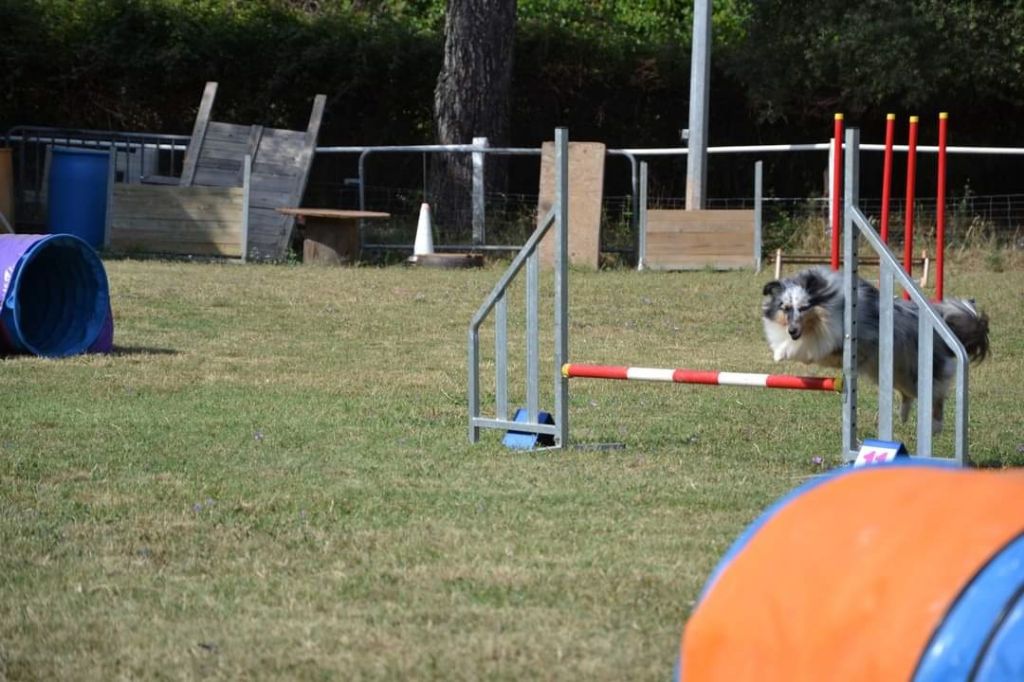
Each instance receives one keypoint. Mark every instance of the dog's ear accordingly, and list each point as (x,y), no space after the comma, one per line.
(773,288)
(814,282)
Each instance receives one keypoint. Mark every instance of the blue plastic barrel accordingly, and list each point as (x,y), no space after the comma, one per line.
(77,194)
(54,296)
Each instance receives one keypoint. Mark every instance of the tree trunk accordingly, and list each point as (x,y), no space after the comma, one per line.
(471,99)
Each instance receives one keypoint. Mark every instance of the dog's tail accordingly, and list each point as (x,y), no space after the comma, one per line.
(968,323)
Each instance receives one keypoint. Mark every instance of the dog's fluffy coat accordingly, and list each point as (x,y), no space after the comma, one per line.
(803,321)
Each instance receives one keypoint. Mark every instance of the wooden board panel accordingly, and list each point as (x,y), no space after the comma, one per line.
(211,177)
(156,201)
(278,174)
(218,130)
(180,248)
(266,222)
(169,244)
(216,230)
(586,190)
(686,240)
(177,220)
(269,200)
(282,146)
(226,161)
(223,156)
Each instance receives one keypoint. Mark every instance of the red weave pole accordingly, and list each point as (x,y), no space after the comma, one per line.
(940,207)
(837,187)
(890,133)
(908,227)
(704,377)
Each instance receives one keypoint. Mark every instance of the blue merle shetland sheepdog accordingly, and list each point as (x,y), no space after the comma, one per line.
(803,321)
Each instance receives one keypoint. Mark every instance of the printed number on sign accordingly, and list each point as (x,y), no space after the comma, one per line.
(879,452)
(876,457)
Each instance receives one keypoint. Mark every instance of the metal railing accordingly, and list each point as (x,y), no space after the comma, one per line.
(140,154)
(135,155)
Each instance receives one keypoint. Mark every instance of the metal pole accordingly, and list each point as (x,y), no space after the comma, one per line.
(479,192)
(700,76)
(758,190)
(837,183)
(940,208)
(850,199)
(561,285)
(886,311)
(641,254)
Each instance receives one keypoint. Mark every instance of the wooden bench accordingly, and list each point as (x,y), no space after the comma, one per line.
(330,236)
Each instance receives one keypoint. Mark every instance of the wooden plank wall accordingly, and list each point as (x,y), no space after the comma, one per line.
(221,154)
(276,173)
(204,221)
(691,240)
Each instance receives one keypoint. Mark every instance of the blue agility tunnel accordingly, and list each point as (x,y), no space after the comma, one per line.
(893,572)
(54,296)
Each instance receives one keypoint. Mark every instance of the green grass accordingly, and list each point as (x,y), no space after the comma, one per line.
(271,477)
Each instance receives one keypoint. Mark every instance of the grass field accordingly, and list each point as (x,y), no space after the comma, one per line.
(271,477)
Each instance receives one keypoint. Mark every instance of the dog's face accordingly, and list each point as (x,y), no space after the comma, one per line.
(794,303)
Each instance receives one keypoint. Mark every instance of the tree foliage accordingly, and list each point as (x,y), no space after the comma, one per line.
(611,70)
(802,60)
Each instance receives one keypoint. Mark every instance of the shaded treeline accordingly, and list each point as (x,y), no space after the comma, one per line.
(617,73)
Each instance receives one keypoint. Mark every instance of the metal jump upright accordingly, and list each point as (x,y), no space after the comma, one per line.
(929,323)
(497,302)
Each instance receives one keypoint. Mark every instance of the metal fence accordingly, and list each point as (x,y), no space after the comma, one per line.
(397,180)
(136,155)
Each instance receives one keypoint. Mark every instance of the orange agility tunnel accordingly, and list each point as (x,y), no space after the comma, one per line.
(894,572)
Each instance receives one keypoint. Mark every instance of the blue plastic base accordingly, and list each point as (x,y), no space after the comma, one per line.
(524,440)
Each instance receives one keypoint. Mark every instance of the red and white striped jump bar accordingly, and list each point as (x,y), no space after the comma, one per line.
(694,376)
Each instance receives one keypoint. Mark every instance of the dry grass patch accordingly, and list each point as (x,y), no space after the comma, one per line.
(271,478)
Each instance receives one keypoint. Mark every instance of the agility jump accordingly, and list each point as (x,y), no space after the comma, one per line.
(554,427)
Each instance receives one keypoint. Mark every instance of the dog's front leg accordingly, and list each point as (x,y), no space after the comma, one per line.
(937,405)
(906,402)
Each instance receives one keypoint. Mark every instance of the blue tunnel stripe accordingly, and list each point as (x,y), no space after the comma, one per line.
(960,639)
(1003,658)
